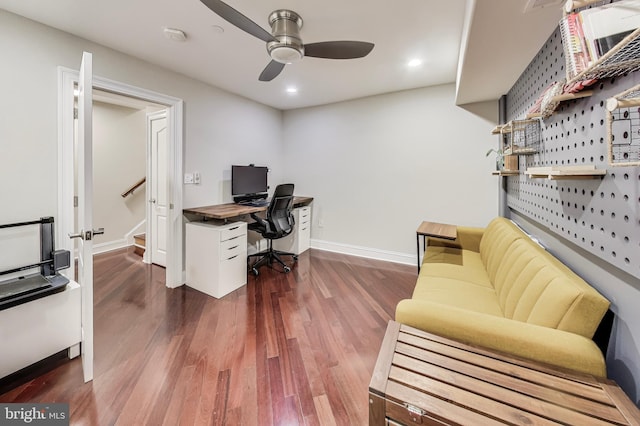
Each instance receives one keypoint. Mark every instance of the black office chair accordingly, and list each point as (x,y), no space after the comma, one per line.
(278,224)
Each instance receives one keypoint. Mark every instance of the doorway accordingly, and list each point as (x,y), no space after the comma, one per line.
(174,130)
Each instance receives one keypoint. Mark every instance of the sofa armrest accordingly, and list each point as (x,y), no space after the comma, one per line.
(468,239)
(547,345)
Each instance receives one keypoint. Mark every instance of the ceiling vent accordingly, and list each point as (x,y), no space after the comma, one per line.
(539,4)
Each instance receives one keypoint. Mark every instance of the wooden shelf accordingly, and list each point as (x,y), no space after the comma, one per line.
(558,99)
(505,173)
(516,150)
(565,172)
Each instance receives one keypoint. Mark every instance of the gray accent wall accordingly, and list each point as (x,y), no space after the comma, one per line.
(592,225)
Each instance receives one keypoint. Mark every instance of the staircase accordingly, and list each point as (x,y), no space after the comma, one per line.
(139,244)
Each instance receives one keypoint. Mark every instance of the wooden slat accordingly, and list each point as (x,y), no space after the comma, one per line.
(512,384)
(385,356)
(508,358)
(590,390)
(468,400)
(439,409)
(479,385)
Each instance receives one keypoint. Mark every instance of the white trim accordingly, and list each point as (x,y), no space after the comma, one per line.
(138,229)
(370,253)
(66,80)
(110,246)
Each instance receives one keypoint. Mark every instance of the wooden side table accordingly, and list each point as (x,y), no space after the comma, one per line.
(421,378)
(434,229)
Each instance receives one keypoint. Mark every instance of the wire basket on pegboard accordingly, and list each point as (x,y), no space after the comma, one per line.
(623,128)
(523,136)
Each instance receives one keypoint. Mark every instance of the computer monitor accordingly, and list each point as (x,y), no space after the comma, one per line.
(249,182)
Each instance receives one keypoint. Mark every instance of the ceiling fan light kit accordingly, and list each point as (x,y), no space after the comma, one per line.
(284,43)
(287,46)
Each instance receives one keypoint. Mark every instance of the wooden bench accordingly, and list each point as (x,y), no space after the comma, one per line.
(421,378)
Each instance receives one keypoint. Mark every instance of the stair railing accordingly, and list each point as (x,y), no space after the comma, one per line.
(133,187)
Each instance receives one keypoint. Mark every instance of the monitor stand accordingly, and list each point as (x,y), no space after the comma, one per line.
(240,199)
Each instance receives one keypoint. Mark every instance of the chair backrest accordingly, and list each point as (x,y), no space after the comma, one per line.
(279,211)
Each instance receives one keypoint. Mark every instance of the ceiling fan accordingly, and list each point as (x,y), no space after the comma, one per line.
(284,43)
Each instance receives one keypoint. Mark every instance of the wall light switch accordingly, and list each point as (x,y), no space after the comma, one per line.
(188,178)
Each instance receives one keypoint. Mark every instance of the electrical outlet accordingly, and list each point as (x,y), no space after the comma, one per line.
(196,177)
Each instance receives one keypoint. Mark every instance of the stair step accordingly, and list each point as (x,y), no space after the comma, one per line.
(139,244)
(140,239)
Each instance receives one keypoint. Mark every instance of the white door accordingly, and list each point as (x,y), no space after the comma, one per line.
(85,211)
(157,125)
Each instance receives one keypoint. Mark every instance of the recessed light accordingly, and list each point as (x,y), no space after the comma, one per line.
(217,29)
(292,90)
(174,34)
(414,63)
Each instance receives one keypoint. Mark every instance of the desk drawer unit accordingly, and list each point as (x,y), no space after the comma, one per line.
(300,239)
(216,257)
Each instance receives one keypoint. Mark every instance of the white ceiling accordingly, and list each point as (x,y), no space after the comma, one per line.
(497,41)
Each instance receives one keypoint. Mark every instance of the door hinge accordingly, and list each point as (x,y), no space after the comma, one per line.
(75,113)
(170,206)
(75,201)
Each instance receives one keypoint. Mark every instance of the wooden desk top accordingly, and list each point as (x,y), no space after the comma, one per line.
(229,210)
(440,230)
(460,384)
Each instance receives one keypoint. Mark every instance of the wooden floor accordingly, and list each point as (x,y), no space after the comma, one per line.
(287,349)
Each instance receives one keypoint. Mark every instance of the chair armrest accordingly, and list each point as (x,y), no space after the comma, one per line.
(260,220)
(542,344)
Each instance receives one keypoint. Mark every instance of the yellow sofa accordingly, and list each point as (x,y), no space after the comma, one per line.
(495,287)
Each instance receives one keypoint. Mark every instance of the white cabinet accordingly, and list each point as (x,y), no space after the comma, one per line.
(300,238)
(40,328)
(216,257)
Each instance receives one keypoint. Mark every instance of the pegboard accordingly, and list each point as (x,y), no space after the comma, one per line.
(600,215)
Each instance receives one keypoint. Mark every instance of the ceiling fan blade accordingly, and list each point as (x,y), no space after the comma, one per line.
(338,49)
(236,18)
(271,71)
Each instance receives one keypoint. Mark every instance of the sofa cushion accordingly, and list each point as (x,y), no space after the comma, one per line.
(457,263)
(459,293)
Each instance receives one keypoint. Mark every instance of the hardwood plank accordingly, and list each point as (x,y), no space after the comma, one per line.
(295,348)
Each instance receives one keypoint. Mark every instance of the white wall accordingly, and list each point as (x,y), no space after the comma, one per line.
(376,166)
(379,166)
(119,161)
(220,128)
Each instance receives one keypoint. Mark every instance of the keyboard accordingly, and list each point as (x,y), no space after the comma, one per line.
(257,203)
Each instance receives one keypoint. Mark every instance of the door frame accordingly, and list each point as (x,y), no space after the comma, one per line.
(67,79)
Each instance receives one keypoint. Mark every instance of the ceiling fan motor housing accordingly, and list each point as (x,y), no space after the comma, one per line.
(285,28)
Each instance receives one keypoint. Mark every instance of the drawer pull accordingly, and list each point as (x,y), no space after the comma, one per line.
(231,248)
(232,257)
(234,228)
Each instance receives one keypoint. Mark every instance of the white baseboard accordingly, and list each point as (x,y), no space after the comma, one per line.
(370,253)
(110,246)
